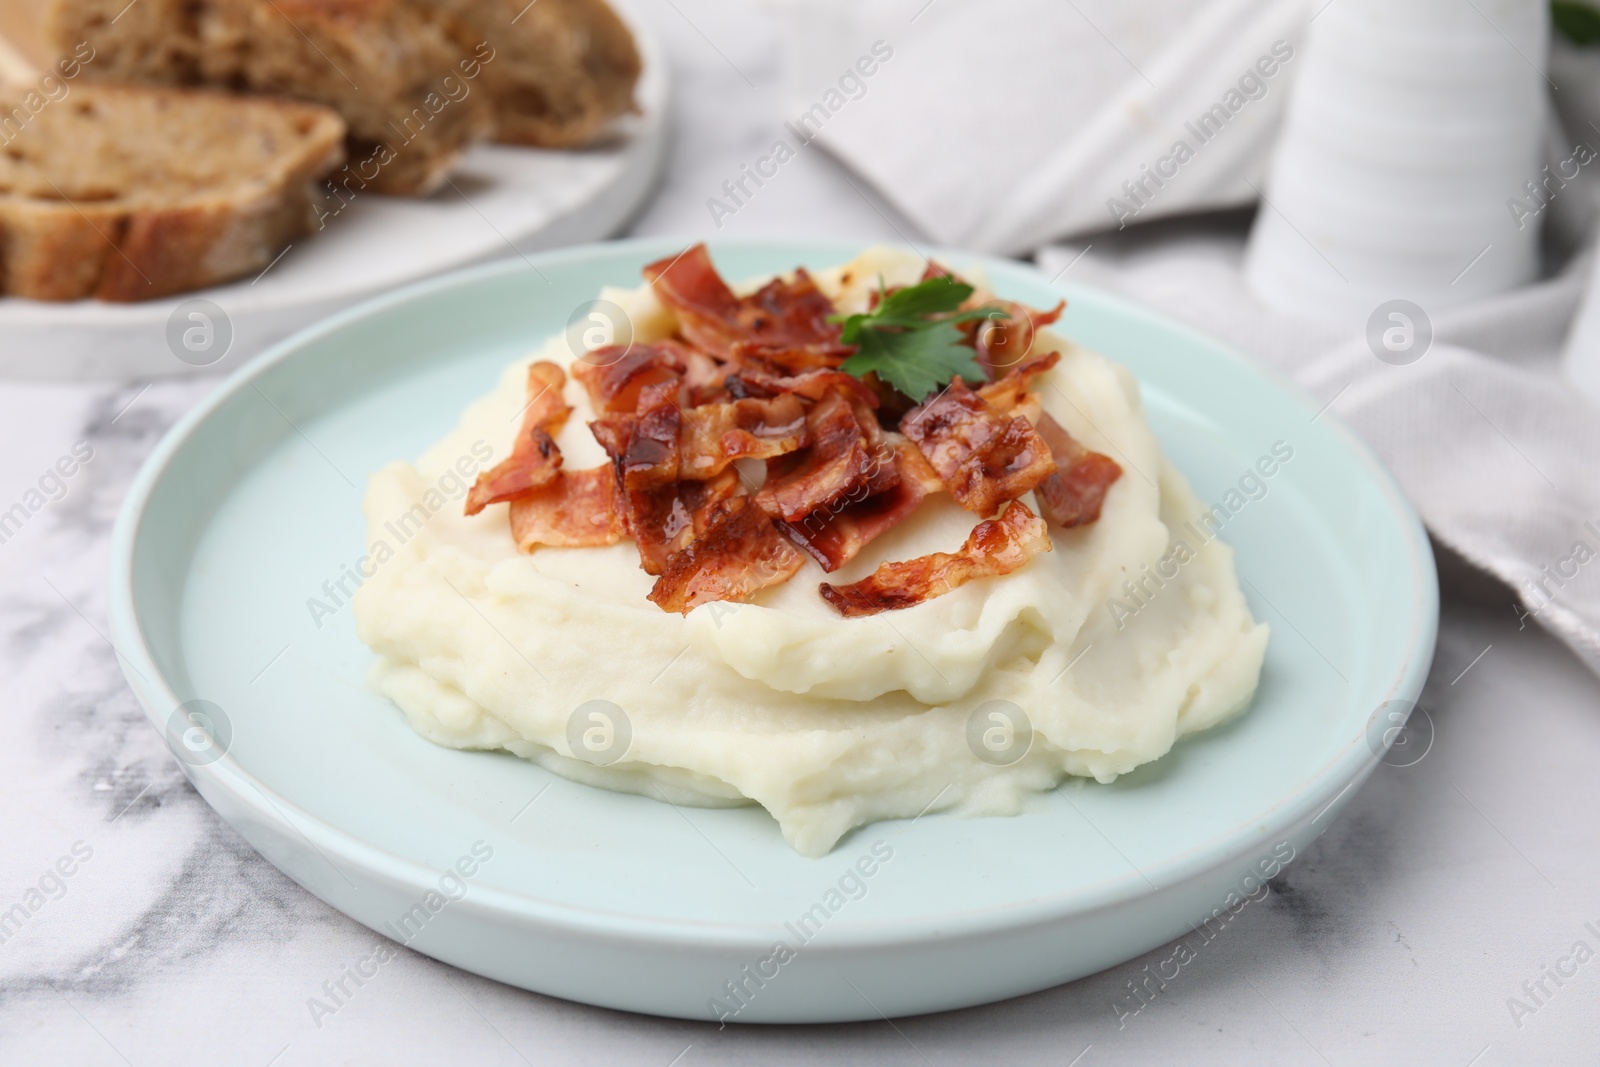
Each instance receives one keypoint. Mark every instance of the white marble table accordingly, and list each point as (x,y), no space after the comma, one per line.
(1448,888)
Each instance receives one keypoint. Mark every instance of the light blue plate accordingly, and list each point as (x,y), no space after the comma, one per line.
(254,501)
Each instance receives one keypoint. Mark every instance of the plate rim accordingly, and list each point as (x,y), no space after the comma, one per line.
(1347,767)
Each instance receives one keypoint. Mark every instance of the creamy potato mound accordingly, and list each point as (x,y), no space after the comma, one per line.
(827,723)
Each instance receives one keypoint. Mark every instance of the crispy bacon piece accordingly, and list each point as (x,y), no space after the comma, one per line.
(665,521)
(613,432)
(665,442)
(790,314)
(1073,495)
(652,454)
(704,378)
(846,457)
(781,315)
(1013,395)
(535,460)
(995,547)
(714,435)
(984,457)
(739,553)
(913,465)
(577,509)
(791,359)
(690,286)
(883,476)
(752,379)
(662,518)
(1005,343)
(614,376)
(834,534)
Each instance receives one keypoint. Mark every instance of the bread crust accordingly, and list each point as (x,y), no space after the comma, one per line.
(147,242)
(426,78)
(387,66)
(564,70)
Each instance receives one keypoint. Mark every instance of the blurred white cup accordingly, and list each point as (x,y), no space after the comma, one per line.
(1413,127)
(1580,358)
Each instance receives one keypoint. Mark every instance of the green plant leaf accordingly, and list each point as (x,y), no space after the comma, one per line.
(917,362)
(910,340)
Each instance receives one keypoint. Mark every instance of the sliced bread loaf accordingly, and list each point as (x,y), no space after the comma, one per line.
(389,67)
(563,68)
(126,193)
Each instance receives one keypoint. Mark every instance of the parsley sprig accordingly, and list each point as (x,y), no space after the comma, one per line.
(910,340)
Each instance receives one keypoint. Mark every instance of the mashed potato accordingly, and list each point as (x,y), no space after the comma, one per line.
(971,701)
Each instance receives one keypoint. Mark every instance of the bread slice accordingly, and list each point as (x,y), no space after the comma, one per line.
(563,69)
(389,67)
(127,193)
(22,28)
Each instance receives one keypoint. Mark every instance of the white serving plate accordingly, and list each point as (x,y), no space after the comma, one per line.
(254,501)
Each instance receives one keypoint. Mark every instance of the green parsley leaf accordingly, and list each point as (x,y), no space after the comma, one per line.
(916,362)
(910,340)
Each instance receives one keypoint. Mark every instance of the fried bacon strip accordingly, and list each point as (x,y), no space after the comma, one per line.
(1073,495)
(984,457)
(665,442)
(614,376)
(791,314)
(704,379)
(535,460)
(994,547)
(714,435)
(690,286)
(1006,343)
(752,379)
(1013,394)
(661,514)
(738,554)
(846,457)
(667,520)
(782,316)
(652,454)
(577,509)
(834,534)
(792,358)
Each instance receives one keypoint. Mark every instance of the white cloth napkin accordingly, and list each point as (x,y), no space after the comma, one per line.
(1003,125)
(1498,454)
(998,125)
